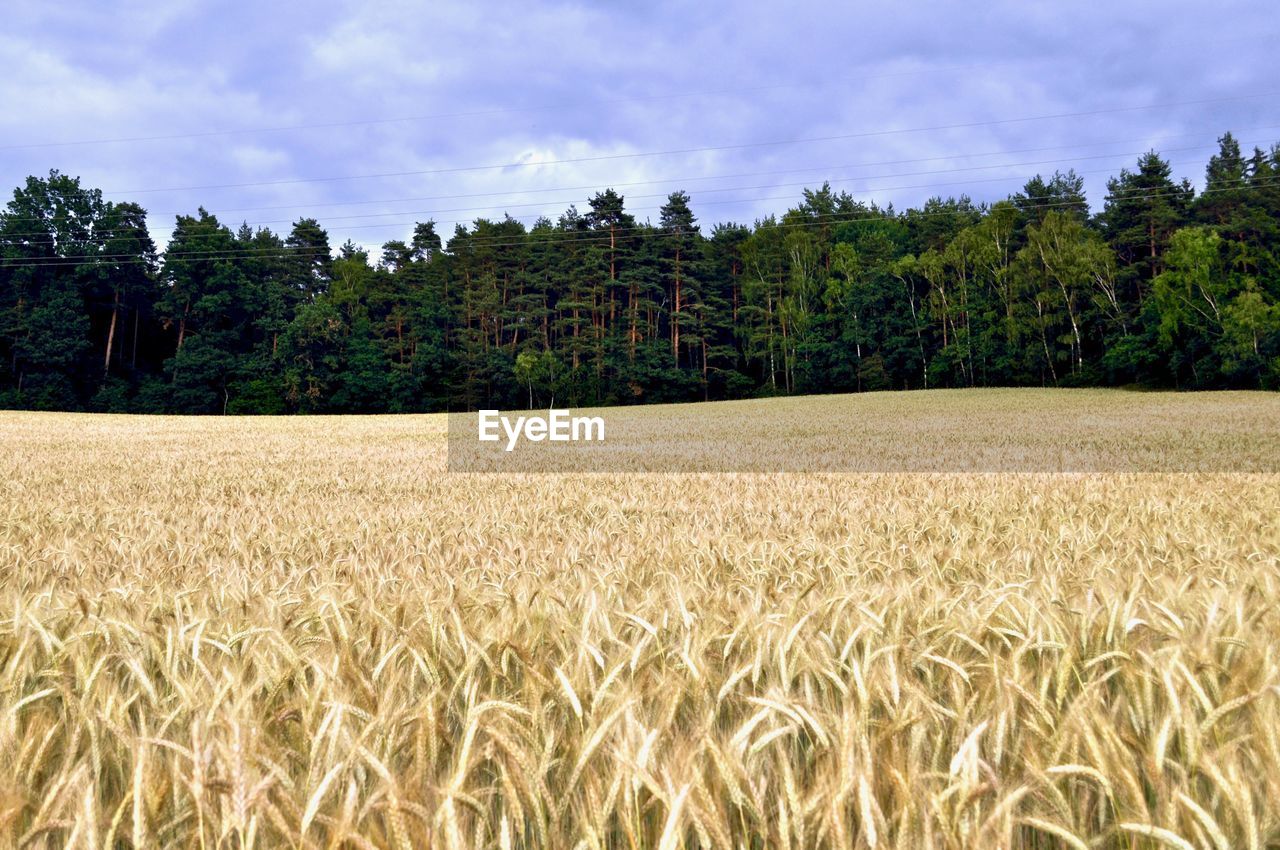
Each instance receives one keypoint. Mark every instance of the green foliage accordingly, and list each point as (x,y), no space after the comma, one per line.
(537,370)
(1161,288)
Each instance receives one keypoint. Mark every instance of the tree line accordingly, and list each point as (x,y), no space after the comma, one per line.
(1163,287)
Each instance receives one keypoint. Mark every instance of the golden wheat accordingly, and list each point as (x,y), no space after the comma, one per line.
(304,633)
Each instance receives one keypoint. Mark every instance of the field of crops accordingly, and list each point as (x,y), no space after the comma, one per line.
(304,632)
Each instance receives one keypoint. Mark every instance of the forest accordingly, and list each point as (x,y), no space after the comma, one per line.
(1162,287)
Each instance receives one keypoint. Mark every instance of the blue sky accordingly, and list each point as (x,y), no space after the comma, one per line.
(279,95)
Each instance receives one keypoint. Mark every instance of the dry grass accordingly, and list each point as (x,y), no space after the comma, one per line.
(302,633)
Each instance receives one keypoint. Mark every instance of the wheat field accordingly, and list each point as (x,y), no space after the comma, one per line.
(305,633)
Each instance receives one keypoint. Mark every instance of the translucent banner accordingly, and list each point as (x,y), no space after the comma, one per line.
(1011,430)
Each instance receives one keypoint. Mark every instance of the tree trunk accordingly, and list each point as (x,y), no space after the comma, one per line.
(1044,341)
(915,322)
(1151,237)
(576,321)
(705,389)
(111,336)
(675,316)
(857,344)
(182,325)
(773,365)
(1075,331)
(632,296)
(735,294)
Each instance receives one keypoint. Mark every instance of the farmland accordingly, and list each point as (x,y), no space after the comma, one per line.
(305,632)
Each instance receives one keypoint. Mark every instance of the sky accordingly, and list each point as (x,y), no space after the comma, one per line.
(372,116)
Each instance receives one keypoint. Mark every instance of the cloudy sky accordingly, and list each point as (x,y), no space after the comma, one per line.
(370,116)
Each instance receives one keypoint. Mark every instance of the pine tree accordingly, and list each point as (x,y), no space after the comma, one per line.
(1143,209)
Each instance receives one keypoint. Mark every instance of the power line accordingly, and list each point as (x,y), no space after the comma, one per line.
(601,186)
(566,202)
(406,119)
(824,83)
(577,237)
(682,179)
(533,217)
(42,237)
(1136,194)
(707,149)
(836,180)
(819,168)
(833,180)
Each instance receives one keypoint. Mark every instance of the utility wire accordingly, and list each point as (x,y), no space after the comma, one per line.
(1138,194)
(824,83)
(602,186)
(721,189)
(584,237)
(685,179)
(406,119)
(707,149)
